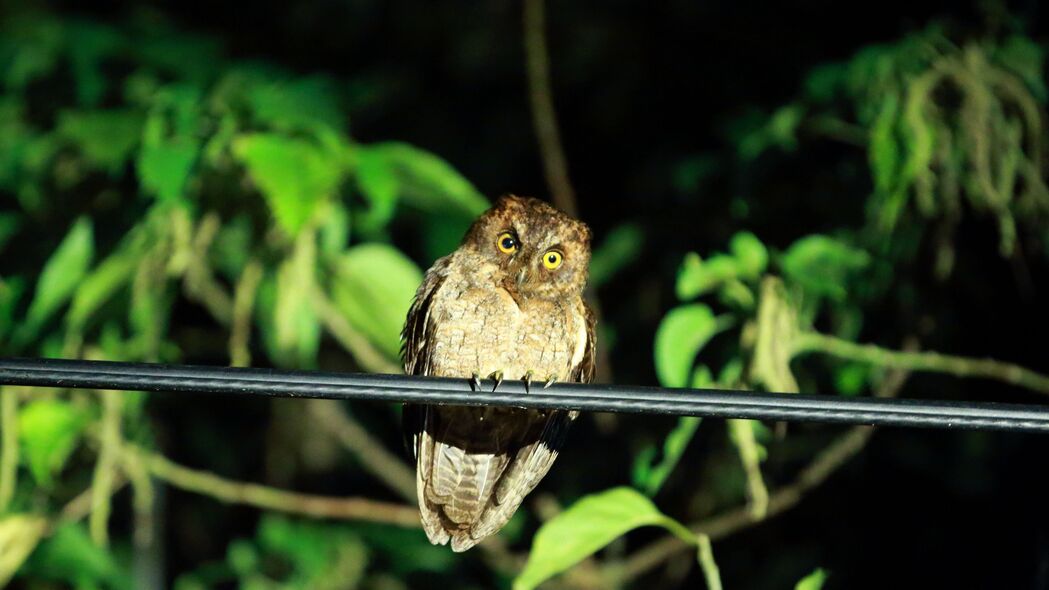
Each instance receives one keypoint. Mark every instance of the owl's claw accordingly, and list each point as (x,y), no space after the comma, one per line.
(528,381)
(475,382)
(550,381)
(498,376)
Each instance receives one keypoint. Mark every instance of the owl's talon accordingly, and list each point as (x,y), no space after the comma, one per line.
(498,376)
(550,381)
(475,382)
(528,381)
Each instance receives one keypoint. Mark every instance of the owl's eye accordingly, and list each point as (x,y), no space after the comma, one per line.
(552,259)
(507,243)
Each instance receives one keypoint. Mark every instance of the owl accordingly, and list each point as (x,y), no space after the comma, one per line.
(507,304)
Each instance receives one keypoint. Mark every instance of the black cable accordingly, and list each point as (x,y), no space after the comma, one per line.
(591,397)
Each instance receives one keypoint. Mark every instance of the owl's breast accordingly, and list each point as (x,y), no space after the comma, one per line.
(485,330)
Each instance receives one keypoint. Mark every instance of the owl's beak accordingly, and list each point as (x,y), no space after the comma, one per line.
(522,278)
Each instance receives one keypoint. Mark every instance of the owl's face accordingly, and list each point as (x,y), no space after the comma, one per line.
(531,249)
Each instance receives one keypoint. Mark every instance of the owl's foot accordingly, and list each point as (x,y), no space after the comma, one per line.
(498,376)
(550,381)
(528,381)
(475,382)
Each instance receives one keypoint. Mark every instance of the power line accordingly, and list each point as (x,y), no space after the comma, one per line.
(575,396)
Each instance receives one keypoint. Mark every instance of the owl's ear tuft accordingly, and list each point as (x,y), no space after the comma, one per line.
(506,199)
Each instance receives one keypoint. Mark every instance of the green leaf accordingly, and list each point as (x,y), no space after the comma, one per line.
(304,104)
(62,273)
(851,378)
(374,287)
(587,526)
(428,182)
(105,138)
(164,168)
(49,431)
(813,581)
(10,223)
(334,232)
(294,175)
(11,290)
(751,255)
(69,555)
(680,336)
(378,182)
(296,326)
(697,276)
(621,247)
(19,535)
(650,476)
(822,265)
(101,283)
(884,150)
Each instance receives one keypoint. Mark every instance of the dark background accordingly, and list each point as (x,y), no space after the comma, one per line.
(639,88)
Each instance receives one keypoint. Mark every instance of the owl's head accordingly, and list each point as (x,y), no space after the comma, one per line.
(531,249)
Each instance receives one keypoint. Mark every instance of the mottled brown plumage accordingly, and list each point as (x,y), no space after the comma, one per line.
(489,309)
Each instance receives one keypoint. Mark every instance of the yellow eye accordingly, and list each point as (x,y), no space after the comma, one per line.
(507,243)
(552,259)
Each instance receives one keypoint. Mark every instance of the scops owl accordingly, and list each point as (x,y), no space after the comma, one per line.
(508,303)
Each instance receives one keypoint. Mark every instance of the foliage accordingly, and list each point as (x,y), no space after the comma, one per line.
(168,202)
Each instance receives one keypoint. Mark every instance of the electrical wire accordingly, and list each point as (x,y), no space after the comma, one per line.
(569,396)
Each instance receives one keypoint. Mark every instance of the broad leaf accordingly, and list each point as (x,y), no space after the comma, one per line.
(822,265)
(586,527)
(378,182)
(374,287)
(680,336)
(428,182)
(297,328)
(105,138)
(62,273)
(164,168)
(650,475)
(294,175)
(697,276)
(49,431)
(620,247)
(813,581)
(751,255)
(10,223)
(69,555)
(19,535)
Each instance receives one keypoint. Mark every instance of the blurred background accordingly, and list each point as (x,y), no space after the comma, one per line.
(771,185)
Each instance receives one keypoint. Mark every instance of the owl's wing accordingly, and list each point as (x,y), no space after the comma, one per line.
(416,338)
(585,370)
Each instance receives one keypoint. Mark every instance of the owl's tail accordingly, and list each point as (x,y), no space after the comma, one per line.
(476,465)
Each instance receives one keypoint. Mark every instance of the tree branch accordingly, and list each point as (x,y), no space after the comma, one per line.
(105,465)
(931,362)
(543,116)
(362,350)
(829,460)
(267,498)
(8,446)
(373,456)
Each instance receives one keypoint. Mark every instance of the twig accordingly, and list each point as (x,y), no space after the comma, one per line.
(373,456)
(705,555)
(932,362)
(742,434)
(243,302)
(8,446)
(105,466)
(822,466)
(80,506)
(369,357)
(543,116)
(267,498)
(199,284)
